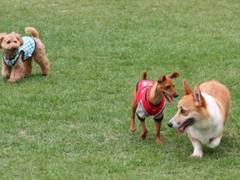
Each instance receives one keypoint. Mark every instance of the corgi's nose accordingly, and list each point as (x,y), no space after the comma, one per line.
(170,124)
(175,95)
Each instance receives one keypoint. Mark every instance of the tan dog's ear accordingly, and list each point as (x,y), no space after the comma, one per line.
(1,38)
(186,87)
(162,79)
(198,98)
(174,75)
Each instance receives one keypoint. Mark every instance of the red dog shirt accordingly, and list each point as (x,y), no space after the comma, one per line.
(144,107)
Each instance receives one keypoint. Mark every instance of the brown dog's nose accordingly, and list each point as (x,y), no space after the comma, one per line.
(170,124)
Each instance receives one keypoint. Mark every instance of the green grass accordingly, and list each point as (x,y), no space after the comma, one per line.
(74,124)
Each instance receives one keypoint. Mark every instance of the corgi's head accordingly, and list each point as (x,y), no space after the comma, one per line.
(191,109)
(165,85)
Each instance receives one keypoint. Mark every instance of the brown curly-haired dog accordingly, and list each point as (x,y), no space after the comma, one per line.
(18,53)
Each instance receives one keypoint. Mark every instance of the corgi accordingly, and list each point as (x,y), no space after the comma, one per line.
(202,113)
(149,99)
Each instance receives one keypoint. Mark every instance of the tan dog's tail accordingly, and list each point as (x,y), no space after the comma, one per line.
(32,31)
(144,75)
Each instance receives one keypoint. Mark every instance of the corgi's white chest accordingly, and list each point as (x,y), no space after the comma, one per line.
(208,130)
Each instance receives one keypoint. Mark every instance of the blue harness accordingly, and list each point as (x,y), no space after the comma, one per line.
(27,49)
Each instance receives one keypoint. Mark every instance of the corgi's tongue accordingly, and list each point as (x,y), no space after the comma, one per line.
(181,130)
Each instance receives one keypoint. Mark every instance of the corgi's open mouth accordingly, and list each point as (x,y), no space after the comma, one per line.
(185,124)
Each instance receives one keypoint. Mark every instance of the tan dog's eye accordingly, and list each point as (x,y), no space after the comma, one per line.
(15,41)
(167,87)
(8,42)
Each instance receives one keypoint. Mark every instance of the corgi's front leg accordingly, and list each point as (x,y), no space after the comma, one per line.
(197,148)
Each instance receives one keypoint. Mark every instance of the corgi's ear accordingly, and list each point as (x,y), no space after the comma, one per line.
(162,79)
(186,87)
(174,75)
(2,35)
(198,98)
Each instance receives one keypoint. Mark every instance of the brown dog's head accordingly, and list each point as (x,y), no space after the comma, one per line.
(10,42)
(191,109)
(165,85)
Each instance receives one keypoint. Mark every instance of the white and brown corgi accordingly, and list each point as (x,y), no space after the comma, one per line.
(202,113)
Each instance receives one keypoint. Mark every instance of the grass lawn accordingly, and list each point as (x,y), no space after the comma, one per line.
(74,124)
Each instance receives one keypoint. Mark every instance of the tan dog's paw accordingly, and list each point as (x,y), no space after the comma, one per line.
(143,135)
(133,129)
(158,141)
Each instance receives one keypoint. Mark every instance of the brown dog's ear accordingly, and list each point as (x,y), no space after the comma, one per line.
(174,75)
(186,87)
(198,98)
(19,38)
(1,38)
(162,79)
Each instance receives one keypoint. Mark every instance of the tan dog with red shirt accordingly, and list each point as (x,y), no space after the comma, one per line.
(149,99)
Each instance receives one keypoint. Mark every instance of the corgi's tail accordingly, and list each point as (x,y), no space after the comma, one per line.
(32,31)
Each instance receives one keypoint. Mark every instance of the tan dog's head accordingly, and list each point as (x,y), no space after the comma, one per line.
(165,85)
(10,42)
(191,109)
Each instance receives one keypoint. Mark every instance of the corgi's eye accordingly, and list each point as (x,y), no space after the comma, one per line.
(183,111)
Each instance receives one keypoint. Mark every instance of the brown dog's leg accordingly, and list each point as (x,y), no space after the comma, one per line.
(27,68)
(157,128)
(16,74)
(5,70)
(43,62)
(144,130)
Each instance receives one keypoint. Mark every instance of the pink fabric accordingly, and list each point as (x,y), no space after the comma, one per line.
(143,89)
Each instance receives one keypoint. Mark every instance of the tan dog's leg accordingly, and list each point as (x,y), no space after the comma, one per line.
(157,129)
(144,130)
(6,70)
(132,123)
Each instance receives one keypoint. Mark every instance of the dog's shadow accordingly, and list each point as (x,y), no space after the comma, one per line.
(227,148)
(32,77)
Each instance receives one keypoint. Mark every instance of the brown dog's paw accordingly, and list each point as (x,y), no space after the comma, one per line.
(11,80)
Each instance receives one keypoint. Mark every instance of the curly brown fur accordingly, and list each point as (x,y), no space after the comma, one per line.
(10,44)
